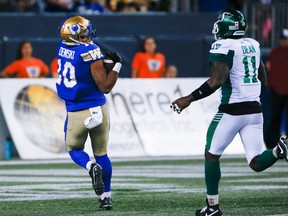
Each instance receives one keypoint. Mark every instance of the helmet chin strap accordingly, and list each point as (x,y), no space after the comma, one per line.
(71,43)
(76,42)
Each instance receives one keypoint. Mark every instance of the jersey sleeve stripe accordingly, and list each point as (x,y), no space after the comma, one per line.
(221,57)
(86,57)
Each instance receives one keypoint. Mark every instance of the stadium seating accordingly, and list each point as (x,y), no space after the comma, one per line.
(183,38)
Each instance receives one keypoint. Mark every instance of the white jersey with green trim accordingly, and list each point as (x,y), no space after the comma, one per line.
(243,58)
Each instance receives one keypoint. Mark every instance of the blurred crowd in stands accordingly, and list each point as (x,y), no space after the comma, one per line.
(125,6)
(106,6)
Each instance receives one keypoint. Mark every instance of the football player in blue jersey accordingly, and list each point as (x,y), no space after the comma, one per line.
(82,83)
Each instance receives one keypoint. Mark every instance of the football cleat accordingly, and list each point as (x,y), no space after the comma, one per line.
(209,211)
(282,148)
(105,204)
(96,175)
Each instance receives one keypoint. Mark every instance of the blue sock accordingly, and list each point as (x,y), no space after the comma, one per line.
(106,165)
(80,157)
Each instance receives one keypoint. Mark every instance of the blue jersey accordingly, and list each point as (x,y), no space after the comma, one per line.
(75,84)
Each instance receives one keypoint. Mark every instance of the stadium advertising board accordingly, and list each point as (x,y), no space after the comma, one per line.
(142,123)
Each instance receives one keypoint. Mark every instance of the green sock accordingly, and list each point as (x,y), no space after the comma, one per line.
(266,159)
(212,176)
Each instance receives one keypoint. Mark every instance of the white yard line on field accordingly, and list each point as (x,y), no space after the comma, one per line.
(47,184)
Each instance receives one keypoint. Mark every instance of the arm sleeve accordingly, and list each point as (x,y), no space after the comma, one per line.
(12,68)
(136,62)
(91,53)
(220,52)
(53,65)
(163,66)
(44,68)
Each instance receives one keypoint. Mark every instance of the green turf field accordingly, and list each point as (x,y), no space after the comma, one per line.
(140,187)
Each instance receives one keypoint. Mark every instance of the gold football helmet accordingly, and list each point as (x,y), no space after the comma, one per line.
(76,30)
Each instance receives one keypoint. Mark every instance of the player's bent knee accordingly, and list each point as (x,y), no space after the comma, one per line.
(254,165)
(99,149)
(211,157)
(100,153)
(69,148)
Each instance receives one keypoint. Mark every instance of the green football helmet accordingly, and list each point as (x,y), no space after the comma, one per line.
(230,24)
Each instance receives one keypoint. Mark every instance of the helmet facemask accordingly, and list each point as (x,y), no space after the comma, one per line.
(215,31)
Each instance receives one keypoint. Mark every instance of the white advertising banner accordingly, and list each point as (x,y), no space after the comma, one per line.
(142,122)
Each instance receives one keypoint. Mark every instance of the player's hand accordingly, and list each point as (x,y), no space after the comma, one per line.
(114,56)
(181,103)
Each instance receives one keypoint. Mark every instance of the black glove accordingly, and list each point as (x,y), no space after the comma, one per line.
(114,56)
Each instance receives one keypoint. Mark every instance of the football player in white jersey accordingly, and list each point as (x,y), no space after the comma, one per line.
(237,69)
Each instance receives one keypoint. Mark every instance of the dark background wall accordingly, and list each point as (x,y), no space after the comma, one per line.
(185,39)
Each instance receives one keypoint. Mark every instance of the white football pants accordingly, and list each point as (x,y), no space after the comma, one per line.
(224,128)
